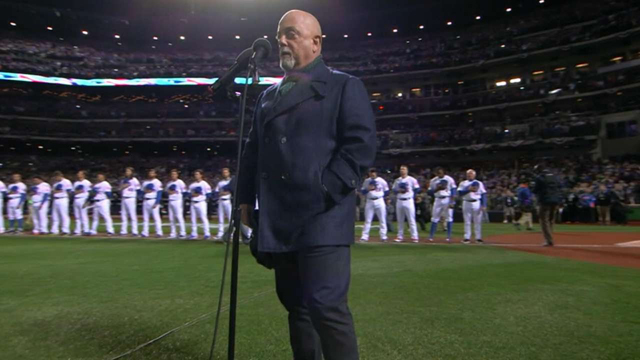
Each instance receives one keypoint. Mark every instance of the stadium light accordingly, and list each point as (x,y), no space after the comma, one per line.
(345,36)
(419,39)
(376,94)
(182,37)
(237,37)
(85,32)
(508,10)
(460,82)
(582,65)
(395,30)
(399,94)
(617,58)
(502,46)
(210,37)
(265,36)
(562,68)
(515,81)
(501,83)
(155,38)
(170,44)
(49,28)
(538,72)
(116,36)
(13,24)
(478,17)
(324,36)
(541,1)
(421,27)
(369,34)
(415,90)
(555,91)
(449,23)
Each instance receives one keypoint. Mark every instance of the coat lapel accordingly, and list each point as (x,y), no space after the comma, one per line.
(309,86)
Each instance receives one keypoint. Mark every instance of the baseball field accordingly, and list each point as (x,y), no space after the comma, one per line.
(99,298)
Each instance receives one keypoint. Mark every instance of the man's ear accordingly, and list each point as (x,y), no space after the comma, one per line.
(317,43)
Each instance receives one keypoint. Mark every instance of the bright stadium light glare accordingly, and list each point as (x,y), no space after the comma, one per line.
(155,38)
(538,72)
(49,28)
(582,65)
(395,30)
(13,24)
(210,37)
(369,34)
(617,58)
(502,46)
(237,37)
(555,91)
(508,10)
(345,36)
(449,23)
(116,36)
(421,27)
(85,32)
(182,37)
(501,83)
(478,17)
(541,1)
(515,81)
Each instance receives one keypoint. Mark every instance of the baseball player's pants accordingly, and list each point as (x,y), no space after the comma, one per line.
(406,209)
(1,214)
(472,213)
(441,210)
(60,212)
(128,211)
(14,209)
(224,213)
(149,209)
(102,208)
(176,215)
(40,217)
(199,210)
(81,214)
(379,208)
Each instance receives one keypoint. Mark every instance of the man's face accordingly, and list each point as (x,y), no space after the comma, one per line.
(373,175)
(174,176)
(197,175)
(16,178)
(404,171)
(298,41)
(58,178)
(471,175)
(128,173)
(226,173)
(100,177)
(440,173)
(152,174)
(37,181)
(80,175)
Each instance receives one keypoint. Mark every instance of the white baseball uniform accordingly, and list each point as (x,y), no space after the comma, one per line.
(442,198)
(128,200)
(3,194)
(40,206)
(405,208)
(102,206)
(224,206)
(151,205)
(472,207)
(80,212)
(176,209)
(375,205)
(60,210)
(199,191)
(17,195)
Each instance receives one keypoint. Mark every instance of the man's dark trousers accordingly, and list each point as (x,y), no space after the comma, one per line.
(312,284)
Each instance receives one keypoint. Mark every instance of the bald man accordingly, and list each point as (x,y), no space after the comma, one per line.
(313,136)
(474,204)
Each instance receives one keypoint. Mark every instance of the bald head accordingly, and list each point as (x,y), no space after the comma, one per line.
(299,38)
(471,174)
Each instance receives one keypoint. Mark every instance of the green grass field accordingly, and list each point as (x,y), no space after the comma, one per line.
(95,298)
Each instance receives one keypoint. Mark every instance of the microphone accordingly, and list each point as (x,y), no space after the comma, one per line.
(261,50)
(242,62)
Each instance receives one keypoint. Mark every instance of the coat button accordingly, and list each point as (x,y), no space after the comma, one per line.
(285,176)
(264,175)
(283,140)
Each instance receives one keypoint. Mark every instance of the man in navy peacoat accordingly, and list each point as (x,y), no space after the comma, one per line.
(312,137)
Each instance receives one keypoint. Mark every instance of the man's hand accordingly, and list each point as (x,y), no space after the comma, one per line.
(245,215)
(473,188)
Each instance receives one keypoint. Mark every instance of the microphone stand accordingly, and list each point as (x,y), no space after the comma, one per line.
(235,228)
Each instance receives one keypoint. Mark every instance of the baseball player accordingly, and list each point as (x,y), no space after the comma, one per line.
(40,196)
(474,197)
(3,195)
(17,196)
(81,188)
(129,188)
(177,190)
(223,191)
(62,188)
(405,187)
(375,189)
(101,198)
(152,188)
(443,189)
(200,192)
